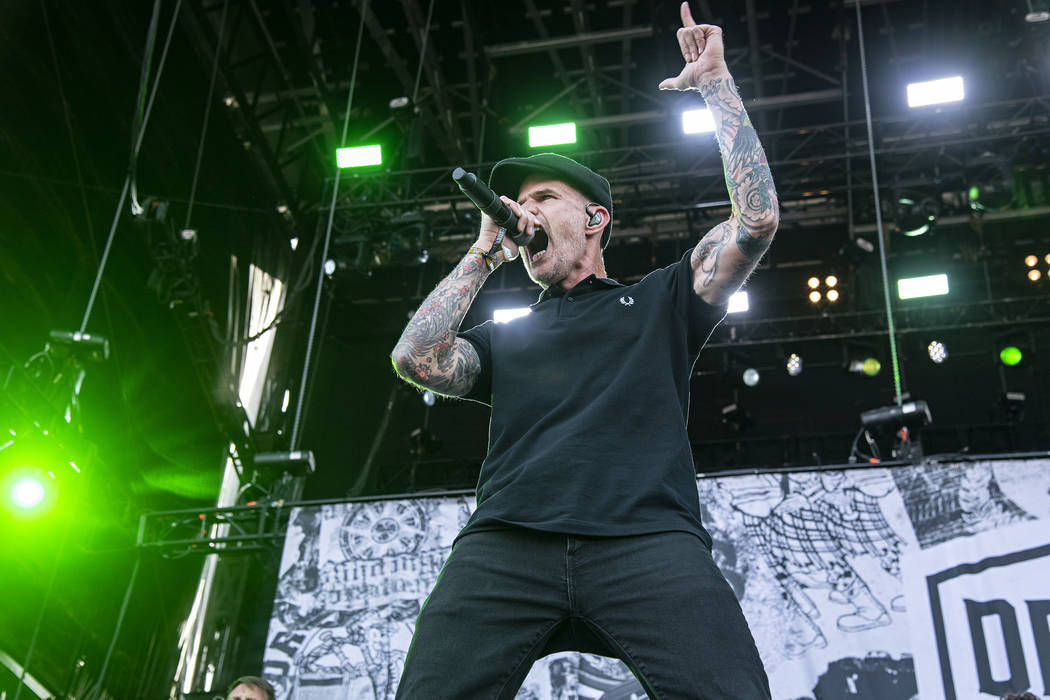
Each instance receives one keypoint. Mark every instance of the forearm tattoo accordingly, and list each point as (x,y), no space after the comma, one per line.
(709,253)
(748,179)
(427,353)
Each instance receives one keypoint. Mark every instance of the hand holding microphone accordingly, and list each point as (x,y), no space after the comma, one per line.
(498,212)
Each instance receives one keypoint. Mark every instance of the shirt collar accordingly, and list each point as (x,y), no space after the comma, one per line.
(591,283)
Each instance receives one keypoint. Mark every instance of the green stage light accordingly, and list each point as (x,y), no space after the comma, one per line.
(358,156)
(868,366)
(27,492)
(552,134)
(1010,355)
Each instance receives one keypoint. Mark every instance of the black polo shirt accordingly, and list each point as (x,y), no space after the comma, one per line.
(590,400)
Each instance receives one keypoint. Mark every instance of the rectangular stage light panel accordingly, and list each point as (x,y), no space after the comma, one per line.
(928,286)
(358,156)
(552,134)
(697,121)
(505,315)
(738,303)
(935,92)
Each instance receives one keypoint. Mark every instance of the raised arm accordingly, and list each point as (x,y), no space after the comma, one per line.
(728,253)
(429,354)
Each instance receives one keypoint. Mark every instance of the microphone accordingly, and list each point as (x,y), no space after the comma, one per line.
(489,203)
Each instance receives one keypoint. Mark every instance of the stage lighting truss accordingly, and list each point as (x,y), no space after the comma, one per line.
(826,289)
(248,528)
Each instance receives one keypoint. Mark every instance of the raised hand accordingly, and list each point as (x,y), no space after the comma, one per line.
(702,50)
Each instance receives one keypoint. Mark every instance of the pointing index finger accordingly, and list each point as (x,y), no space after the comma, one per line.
(687,16)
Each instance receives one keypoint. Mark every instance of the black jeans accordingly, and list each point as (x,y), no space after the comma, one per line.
(657,602)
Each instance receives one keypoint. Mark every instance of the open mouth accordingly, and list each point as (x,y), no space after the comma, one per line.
(538,245)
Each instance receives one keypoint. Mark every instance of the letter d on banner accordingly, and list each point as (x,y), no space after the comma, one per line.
(1010,642)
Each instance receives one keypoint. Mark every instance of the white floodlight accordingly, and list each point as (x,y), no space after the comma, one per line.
(935,92)
(928,286)
(505,315)
(697,121)
(358,156)
(552,134)
(738,303)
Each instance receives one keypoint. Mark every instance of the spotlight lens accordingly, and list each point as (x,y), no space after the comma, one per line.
(27,493)
(794,365)
(329,267)
(751,376)
(1010,355)
(1031,260)
(938,353)
(831,280)
(814,296)
(833,295)
(1034,275)
(871,367)
(813,282)
(428,397)
(1047,259)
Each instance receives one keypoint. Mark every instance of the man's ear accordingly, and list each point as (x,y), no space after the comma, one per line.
(598,216)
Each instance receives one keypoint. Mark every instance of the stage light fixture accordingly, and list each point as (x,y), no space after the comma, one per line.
(833,295)
(995,192)
(552,134)
(738,303)
(926,286)
(814,296)
(913,414)
(794,365)
(736,418)
(507,315)
(751,376)
(1047,259)
(27,492)
(1012,405)
(915,214)
(428,397)
(938,352)
(868,366)
(296,463)
(359,156)
(1034,275)
(1031,260)
(831,280)
(813,282)
(933,92)
(329,267)
(697,121)
(1011,355)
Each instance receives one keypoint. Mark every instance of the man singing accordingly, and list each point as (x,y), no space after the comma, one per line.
(587,534)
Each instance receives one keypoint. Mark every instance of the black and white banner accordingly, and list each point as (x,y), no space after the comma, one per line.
(871,583)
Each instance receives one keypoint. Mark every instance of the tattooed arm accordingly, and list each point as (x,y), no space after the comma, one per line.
(428,353)
(730,251)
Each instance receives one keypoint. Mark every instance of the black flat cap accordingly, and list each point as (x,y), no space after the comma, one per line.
(508,174)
